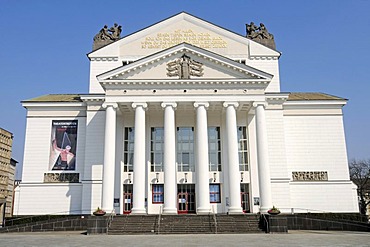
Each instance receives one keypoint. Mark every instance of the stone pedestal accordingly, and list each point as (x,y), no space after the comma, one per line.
(97,224)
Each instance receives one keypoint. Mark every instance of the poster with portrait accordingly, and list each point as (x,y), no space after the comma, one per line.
(63,145)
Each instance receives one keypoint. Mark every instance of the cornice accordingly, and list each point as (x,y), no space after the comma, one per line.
(109,59)
(276,99)
(260,57)
(92,98)
(260,83)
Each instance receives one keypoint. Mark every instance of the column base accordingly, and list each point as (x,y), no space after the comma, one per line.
(235,210)
(138,211)
(203,210)
(169,211)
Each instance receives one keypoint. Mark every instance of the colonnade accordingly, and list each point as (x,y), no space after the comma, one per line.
(169,160)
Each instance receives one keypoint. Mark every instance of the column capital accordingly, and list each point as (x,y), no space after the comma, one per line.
(257,103)
(165,104)
(138,104)
(231,103)
(112,104)
(197,104)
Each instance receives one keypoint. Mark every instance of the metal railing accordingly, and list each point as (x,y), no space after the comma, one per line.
(267,223)
(214,218)
(110,219)
(44,217)
(159,219)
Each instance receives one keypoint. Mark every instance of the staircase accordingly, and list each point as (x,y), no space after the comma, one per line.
(184,224)
(133,224)
(248,223)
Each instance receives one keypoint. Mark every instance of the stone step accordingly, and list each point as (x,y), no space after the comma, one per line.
(184,224)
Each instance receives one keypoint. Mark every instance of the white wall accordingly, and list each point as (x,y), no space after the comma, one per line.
(33,195)
(94,155)
(39,199)
(322,197)
(315,141)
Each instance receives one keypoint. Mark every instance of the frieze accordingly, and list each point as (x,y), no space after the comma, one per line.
(310,176)
(169,39)
(61,177)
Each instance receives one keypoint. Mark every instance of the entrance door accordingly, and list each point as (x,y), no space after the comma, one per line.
(127,199)
(186,198)
(183,203)
(244,195)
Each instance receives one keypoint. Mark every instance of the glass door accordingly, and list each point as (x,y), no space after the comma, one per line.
(244,195)
(127,198)
(186,198)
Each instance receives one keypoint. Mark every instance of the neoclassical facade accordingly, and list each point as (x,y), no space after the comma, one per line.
(185,116)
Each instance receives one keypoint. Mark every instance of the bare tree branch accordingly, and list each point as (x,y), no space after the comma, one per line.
(359,171)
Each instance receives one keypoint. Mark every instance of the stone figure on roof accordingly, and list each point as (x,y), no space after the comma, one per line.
(107,36)
(260,34)
(251,30)
(115,31)
(264,33)
(254,32)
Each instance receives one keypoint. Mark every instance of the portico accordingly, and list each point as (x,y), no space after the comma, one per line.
(199,171)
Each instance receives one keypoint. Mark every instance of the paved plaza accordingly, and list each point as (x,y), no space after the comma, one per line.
(294,238)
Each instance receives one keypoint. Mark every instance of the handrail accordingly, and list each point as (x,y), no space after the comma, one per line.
(267,223)
(159,219)
(10,222)
(110,219)
(214,218)
(307,211)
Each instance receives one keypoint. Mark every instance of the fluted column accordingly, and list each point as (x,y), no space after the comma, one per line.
(139,160)
(262,158)
(109,157)
(233,158)
(169,159)
(203,204)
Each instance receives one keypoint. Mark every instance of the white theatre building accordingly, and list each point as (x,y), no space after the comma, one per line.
(184,116)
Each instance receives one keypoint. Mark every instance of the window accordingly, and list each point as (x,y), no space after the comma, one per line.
(185,149)
(156,149)
(214,148)
(214,193)
(128,152)
(243,148)
(157,193)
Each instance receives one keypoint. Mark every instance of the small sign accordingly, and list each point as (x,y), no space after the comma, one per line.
(116,202)
(128,200)
(182,200)
(256,201)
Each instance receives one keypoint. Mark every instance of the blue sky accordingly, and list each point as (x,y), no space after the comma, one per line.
(325,47)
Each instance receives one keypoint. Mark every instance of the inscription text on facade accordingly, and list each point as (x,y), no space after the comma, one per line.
(310,176)
(169,39)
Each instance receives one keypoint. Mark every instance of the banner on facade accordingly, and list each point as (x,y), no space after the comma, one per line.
(63,145)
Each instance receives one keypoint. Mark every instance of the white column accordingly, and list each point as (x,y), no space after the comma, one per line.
(262,158)
(169,159)
(109,157)
(203,204)
(138,206)
(233,158)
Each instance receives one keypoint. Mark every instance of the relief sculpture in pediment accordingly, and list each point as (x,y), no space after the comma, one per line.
(184,67)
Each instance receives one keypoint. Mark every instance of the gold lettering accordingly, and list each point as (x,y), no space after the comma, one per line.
(166,40)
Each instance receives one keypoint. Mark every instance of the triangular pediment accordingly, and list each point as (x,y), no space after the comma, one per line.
(183,28)
(201,64)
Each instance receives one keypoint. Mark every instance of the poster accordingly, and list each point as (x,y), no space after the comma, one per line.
(63,145)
